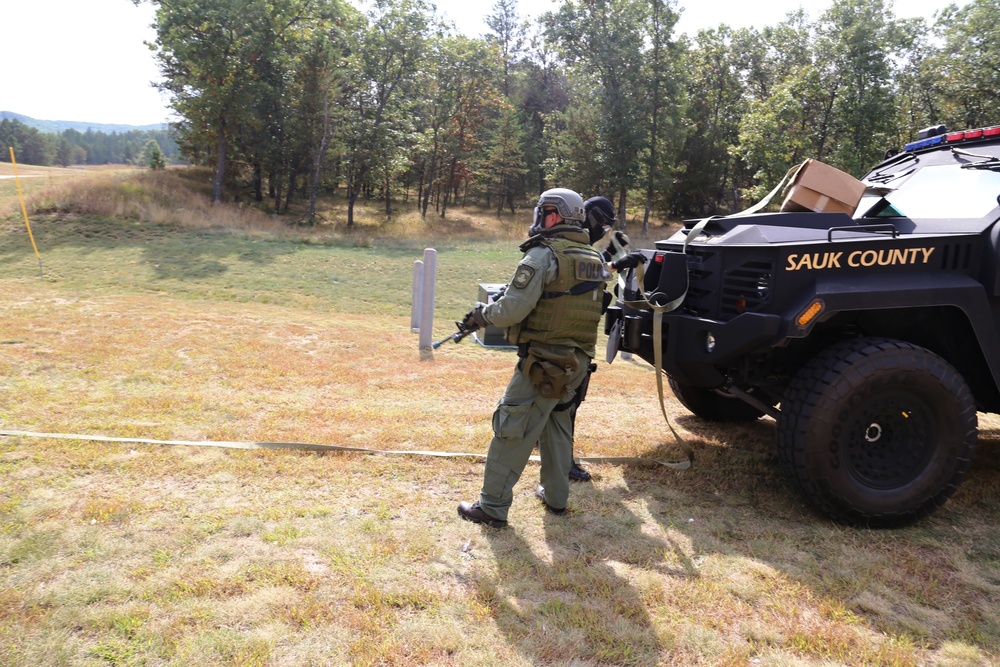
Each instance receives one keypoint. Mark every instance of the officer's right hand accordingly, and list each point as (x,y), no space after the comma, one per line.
(629,261)
(474,319)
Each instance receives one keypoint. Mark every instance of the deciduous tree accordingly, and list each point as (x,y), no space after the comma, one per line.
(717,103)
(390,56)
(604,40)
(966,68)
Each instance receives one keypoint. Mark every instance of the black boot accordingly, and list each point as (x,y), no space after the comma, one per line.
(540,494)
(578,474)
(474,513)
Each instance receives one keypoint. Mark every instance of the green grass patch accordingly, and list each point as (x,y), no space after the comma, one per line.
(93,255)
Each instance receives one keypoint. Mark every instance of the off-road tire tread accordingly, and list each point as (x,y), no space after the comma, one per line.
(840,368)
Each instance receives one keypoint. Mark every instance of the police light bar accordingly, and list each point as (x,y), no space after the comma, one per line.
(934,136)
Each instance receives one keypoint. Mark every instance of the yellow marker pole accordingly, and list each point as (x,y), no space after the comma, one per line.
(24,211)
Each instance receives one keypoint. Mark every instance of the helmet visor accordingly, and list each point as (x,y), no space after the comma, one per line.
(539,217)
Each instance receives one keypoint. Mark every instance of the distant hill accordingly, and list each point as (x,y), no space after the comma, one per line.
(58,126)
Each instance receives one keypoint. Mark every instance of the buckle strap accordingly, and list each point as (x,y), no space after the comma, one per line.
(576,290)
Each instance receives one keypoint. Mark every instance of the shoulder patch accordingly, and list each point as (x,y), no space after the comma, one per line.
(523,276)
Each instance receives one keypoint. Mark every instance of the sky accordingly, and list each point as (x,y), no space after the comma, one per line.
(84,60)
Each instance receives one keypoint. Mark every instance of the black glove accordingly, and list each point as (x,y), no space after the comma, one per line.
(629,261)
(473,320)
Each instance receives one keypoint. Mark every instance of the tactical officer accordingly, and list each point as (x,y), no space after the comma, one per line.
(550,310)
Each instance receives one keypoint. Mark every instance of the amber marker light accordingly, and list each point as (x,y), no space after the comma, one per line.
(810,313)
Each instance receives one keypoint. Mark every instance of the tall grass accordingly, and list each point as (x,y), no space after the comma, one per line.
(190,329)
(169,197)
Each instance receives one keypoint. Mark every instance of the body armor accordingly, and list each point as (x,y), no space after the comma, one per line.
(570,308)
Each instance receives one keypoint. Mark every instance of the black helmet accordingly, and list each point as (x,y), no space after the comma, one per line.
(600,217)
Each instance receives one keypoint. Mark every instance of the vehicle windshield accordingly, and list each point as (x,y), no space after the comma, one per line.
(943,191)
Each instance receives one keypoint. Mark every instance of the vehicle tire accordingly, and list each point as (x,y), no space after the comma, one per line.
(713,406)
(877,432)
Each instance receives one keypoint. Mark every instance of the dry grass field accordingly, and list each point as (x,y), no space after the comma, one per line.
(160,317)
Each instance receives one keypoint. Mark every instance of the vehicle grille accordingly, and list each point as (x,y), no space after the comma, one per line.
(747,288)
(722,295)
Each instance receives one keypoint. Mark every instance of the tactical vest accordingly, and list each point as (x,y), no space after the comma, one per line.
(570,307)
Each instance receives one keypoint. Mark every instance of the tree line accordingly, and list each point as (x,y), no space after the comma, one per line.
(288,98)
(72,147)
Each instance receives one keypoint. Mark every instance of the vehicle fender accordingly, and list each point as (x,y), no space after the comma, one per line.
(915,290)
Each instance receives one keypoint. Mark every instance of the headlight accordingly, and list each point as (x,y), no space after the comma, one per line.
(709,342)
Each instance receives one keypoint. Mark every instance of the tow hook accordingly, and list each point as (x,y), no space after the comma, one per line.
(768,410)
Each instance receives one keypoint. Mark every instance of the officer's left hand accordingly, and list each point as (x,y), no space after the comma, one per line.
(620,239)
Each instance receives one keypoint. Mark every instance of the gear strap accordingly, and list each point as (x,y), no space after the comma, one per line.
(301,446)
(658,310)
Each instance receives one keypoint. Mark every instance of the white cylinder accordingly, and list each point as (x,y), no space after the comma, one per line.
(427,299)
(418,291)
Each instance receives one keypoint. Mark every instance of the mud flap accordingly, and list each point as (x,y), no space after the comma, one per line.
(614,339)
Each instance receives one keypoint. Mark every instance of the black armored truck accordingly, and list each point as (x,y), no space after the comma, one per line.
(867,324)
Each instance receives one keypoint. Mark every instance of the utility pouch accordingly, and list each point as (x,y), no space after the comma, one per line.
(581,392)
(512,333)
(550,369)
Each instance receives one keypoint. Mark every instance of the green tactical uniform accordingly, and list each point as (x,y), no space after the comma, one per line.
(550,309)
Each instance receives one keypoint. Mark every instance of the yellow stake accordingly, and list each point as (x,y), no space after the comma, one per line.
(24,210)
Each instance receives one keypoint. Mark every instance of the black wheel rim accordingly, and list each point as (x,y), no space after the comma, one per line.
(890,440)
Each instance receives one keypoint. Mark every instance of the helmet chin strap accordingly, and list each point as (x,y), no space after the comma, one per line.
(597,233)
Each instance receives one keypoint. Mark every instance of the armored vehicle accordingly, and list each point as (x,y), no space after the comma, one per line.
(870,336)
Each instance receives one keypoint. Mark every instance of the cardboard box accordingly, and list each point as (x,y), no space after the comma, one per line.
(821,188)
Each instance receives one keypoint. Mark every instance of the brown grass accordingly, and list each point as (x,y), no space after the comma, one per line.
(142,554)
(180,197)
(714,566)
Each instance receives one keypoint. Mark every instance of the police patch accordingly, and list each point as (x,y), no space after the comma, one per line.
(592,271)
(523,276)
